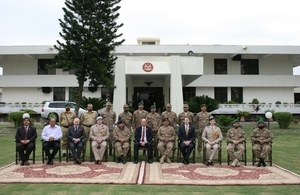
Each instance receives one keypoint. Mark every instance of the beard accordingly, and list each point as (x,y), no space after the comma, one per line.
(67,109)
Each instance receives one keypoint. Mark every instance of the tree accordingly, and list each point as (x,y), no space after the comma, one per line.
(89,30)
(196,101)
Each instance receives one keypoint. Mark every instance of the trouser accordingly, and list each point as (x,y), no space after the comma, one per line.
(76,149)
(261,151)
(211,150)
(165,147)
(87,136)
(239,151)
(200,141)
(137,145)
(110,140)
(99,153)
(122,148)
(186,150)
(64,140)
(55,145)
(25,150)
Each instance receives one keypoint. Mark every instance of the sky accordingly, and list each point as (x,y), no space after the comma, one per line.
(193,22)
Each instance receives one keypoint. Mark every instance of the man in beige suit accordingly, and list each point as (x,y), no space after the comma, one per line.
(99,134)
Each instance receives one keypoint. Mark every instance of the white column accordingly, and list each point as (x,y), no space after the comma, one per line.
(120,83)
(176,85)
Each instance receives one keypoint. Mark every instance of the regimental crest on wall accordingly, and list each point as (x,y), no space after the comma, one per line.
(147,67)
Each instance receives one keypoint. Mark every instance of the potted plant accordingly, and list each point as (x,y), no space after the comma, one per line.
(242,114)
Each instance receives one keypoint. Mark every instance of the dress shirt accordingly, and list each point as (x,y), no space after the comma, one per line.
(49,131)
(145,134)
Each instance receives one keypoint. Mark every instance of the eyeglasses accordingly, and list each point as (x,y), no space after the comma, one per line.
(168,107)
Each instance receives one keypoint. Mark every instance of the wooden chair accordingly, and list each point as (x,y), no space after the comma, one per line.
(244,156)
(92,157)
(219,154)
(30,158)
(44,156)
(267,160)
(69,151)
(179,158)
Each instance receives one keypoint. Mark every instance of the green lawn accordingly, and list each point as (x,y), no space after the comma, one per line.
(285,154)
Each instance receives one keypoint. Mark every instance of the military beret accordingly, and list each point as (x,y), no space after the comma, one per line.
(260,121)
(153,106)
(236,120)
(120,121)
(67,104)
(185,105)
(125,106)
(108,103)
(169,105)
(165,119)
(202,105)
(141,102)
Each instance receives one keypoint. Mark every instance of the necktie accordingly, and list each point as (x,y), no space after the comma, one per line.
(143,134)
(26,129)
(186,130)
(76,128)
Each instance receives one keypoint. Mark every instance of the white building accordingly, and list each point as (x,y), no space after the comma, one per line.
(161,74)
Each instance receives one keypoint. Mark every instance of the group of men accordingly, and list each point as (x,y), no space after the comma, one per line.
(151,132)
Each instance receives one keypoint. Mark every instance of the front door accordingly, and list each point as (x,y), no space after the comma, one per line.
(149,95)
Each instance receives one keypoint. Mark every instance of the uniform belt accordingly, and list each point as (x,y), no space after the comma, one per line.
(87,125)
(65,126)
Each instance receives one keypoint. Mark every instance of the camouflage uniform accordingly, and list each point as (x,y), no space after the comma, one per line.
(109,118)
(137,117)
(126,117)
(88,119)
(153,120)
(121,140)
(185,113)
(261,150)
(65,120)
(233,135)
(172,116)
(166,137)
(201,120)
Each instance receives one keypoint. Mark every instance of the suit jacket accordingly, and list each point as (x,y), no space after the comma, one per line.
(31,133)
(182,135)
(80,133)
(138,134)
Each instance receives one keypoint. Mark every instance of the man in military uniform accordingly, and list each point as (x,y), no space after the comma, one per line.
(122,137)
(138,115)
(166,135)
(184,114)
(212,135)
(126,117)
(261,138)
(88,119)
(172,116)
(201,120)
(109,119)
(99,135)
(235,137)
(65,120)
(153,120)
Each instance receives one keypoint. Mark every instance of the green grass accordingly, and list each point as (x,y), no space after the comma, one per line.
(285,154)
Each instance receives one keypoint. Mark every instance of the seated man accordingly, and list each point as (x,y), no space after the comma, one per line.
(166,136)
(187,136)
(25,139)
(143,138)
(76,136)
(99,134)
(235,137)
(261,138)
(121,137)
(211,135)
(51,137)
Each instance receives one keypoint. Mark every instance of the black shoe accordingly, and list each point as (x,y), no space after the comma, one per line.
(22,163)
(135,161)
(64,155)
(150,161)
(118,160)
(26,163)
(123,160)
(188,162)
(211,163)
(208,163)
(263,163)
(185,162)
(48,162)
(51,162)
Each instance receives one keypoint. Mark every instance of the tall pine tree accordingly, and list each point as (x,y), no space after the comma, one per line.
(89,30)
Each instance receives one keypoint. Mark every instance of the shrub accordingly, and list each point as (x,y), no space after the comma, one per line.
(278,102)
(283,119)
(224,122)
(255,101)
(17,117)
(98,103)
(196,101)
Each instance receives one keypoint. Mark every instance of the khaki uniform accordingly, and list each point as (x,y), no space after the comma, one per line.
(137,117)
(264,135)
(201,120)
(163,134)
(211,134)
(172,116)
(182,115)
(126,117)
(88,119)
(109,119)
(153,120)
(234,134)
(99,131)
(122,140)
(65,120)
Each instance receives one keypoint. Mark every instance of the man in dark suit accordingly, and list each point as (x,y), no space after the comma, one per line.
(186,135)
(76,136)
(143,138)
(25,139)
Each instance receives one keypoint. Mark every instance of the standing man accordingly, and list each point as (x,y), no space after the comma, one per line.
(212,135)
(166,135)
(88,119)
(235,137)
(153,121)
(143,138)
(99,134)
(172,116)
(138,115)
(51,137)
(122,137)
(76,136)
(184,114)
(126,117)
(109,119)
(261,138)
(187,136)
(65,121)
(25,139)
(201,120)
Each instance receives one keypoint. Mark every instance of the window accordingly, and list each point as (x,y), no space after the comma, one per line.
(221,94)
(43,68)
(237,94)
(249,66)
(72,91)
(59,94)
(220,66)
(188,92)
